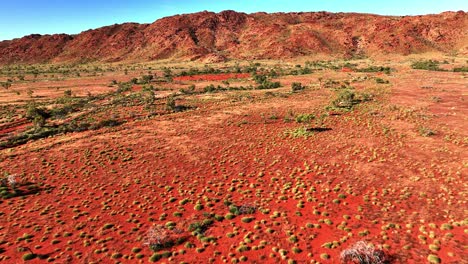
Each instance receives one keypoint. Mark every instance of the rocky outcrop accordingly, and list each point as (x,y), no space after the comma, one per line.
(209,36)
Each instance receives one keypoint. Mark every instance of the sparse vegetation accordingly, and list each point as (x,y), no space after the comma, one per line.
(429,65)
(38,115)
(296,86)
(284,175)
(461,69)
(386,70)
(264,82)
(426,132)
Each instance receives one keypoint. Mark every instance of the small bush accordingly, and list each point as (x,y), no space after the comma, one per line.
(264,83)
(269,85)
(299,132)
(345,99)
(145,79)
(209,89)
(67,93)
(296,86)
(304,118)
(159,237)
(189,90)
(200,227)
(381,81)
(363,253)
(37,115)
(124,87)
(429,65)
(461,69)
(386,70)
(171,103)
(426,132)
(243,209)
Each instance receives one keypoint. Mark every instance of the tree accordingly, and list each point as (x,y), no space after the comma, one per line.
(35,72)
(145,79)
(297,86)
(67,93)
(37,115)
(171,103)
(168,74)
(149,100)
(6,85)
(30,92)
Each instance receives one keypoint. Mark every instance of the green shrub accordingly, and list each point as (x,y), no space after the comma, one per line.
(299,132)
(264,83)
(200,227)
(145,79)
(426,132)
(37,115)
(297,86)
(189,90)
(386,70)
(234,209)
(171,103)
(124,87)
(430,65)
(67,93)
(461,69)
(345,99)
(304,118)
(269,85)
(209,89)
(380,80)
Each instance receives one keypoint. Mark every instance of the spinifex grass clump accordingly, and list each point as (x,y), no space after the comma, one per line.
(364,253)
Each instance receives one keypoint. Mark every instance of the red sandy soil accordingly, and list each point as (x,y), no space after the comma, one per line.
(47,87)
(372,177)
(212,37)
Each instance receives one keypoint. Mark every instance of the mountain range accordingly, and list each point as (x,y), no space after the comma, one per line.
(212,37)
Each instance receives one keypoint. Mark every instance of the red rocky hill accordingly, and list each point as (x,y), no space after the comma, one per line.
(230,34)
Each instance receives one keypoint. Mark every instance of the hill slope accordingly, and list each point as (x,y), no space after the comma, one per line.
(238,35)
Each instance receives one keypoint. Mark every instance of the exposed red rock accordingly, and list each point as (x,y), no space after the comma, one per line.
(33,48)
(215,36)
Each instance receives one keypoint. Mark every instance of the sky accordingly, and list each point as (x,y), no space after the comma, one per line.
(24,17)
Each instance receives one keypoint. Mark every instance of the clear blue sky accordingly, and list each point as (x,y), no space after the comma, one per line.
(23,17)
